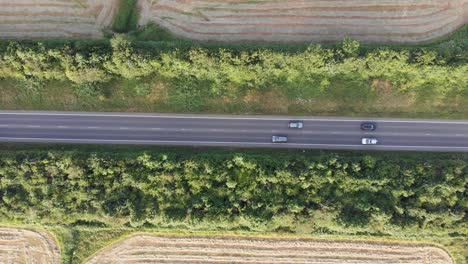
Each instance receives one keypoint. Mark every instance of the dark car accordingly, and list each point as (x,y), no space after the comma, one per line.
(368,126)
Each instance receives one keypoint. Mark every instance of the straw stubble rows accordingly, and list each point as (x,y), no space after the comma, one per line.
(243,20)
(313,20)
(27,246)
(55,18)
(229,249)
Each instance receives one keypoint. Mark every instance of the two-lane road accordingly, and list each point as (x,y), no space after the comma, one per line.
(230,131)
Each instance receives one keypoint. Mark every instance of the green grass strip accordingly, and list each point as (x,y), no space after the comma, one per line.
(126,18)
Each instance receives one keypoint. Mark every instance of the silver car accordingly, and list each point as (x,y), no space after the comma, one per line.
(279,139)
(296,124)
(369,141)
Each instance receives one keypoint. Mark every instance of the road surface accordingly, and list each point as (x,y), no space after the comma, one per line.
(230,131)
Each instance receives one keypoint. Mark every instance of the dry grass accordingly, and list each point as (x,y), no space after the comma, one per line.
(60,18)
(370,21)
(390,101)
(27,246)
(234,249)
(266,102)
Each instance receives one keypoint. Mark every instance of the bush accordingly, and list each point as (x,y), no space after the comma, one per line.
(346,78)
(59,187)
(350,47)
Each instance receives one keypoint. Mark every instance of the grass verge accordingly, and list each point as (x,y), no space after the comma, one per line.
(151,94)
(126,18)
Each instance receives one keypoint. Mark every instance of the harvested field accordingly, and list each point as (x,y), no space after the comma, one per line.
(55,18)
(371,21)
(27,246)
(196,249)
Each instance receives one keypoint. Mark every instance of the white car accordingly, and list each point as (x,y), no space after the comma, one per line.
(296,124)
(369,141)
(279,139)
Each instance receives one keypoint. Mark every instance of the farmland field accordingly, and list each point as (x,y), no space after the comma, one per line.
(27,246)
(390,21)
(231,249)
(55,18)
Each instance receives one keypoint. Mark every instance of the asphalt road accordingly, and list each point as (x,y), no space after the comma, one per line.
(230,131)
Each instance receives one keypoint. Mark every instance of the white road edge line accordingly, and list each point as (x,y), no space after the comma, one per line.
(379,120)
(221,142)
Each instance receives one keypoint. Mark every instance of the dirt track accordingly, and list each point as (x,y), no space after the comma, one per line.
(55,18)
(399,21)
(179,249)
(27,246)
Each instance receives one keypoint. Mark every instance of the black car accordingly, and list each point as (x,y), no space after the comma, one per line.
(368,126)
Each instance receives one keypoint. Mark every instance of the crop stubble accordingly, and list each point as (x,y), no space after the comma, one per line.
(27,246)
(55,18)
(391,21)
(230,249)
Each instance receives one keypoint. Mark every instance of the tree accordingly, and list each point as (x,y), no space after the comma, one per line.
(350,47)
(126,62)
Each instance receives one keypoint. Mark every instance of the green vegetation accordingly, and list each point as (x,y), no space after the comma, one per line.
(126,18)
(152,36)
(305,192)
(135,76)
(151,33)
(91,196)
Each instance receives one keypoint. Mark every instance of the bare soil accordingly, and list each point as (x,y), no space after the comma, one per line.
(372,21)
(27,246)
(229,249)
(55,18)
